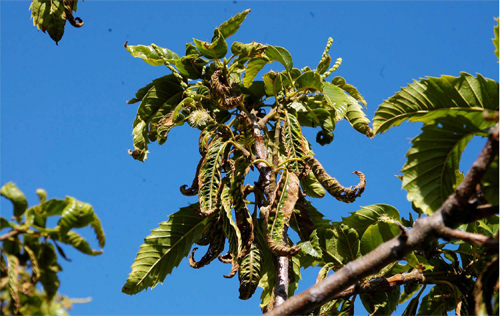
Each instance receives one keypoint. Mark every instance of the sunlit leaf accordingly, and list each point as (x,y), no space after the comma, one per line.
(276,53)
(295,143)
(209,178)
(76,214)
(312,246)
(214,50)
(311,186)
(191,66)
(430,173)
(164,249)
(340,82)
(232,25)
(495,39)
(253,67)
(150,55)
(272,83)
(50,16)
(77,241)
(33,261)
(16,196)
(431,98)
(13,281)
(96,225)
(348,242)
(376,234)
(368,215)
(309,80)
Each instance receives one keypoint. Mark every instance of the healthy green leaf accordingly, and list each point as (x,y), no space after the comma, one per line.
(279,54)
(50,16)
(495,39)
(76,214)
(150,55)
(164,249)
(309,80)
(340,82)
(50,281)
(369,215)
(16,196)
(430,174)
(77,241)
(294,275)
(231,26)
(431,98)
(348,242)
(272,83)
(254,65)
(191,66)
(440,299)
(215,50)
(209,178)
(376,234)
(328,241)
(312,246)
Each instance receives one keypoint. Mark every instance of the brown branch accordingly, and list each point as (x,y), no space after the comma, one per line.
(12,233)
(478,239)
(383,284)
(454,211)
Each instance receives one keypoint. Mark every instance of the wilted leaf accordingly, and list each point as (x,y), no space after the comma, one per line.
(16,196)
(249,273)
(76,214)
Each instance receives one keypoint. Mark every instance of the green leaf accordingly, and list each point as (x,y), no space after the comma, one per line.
(209,178)
(485,289)
(495,39)
(430,173)
(254,65)
(77,241)
(50,16)
(348,242)
(33,261)
(323,65)
(340,82)
(295,143)
(249,273)
(231,26)
(163,95)
(5,223)
(215,50)
(164,249)
(294,275)
(76,214)
(440,299)
(96,225)
(16,196)
(279,54)
(376,234)
(50,281)
(431,98)
(309,80)
(312,246)
(380,302)
(231,230)
(13,279)
(272,83)
(311,186)
(150,55)
(328,241)
(42,195)
(336,99)
(489,183)
(369,215)
(191,66)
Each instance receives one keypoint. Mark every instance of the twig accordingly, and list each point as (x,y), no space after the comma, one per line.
(449,233)
(12,233)
(454,211)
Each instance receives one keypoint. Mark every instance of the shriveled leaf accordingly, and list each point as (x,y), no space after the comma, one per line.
(431,98)
(150,55)
(232,25)
(77,241)
(13,280)
(164,249)
(376,234)
(214,50)
(96,225)
(209,178)
(279,54)
(295,143)
(16,196)
(249,273)
(430,173)
(368,215)
(34,261)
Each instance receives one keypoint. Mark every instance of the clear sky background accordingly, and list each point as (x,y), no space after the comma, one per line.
(65,126)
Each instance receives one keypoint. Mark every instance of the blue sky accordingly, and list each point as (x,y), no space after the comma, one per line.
(65,126)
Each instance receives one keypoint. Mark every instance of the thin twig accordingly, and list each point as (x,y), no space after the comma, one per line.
(478,239)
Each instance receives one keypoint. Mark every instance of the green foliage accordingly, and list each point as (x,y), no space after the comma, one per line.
(32,260)
(52,15)
(247,124)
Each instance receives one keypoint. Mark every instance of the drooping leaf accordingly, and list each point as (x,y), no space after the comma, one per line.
(231,229)
(369,215)
(13,280)
(214,50)
(254,65)
(16,196)
(249,273)
(431,98)
(209,178)
(99,232)
(376,234)
(279,54)
(340,82)
(50,16)
(293,274)
(295,143)
(34,261)
(42,195)
(411,308)
(164,249)
(76,214)
(77,241)
(49,280)
(150,55)
(232,25)
(215,247)
(430,173)
(5,223)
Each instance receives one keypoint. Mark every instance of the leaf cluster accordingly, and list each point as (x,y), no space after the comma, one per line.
(30,250)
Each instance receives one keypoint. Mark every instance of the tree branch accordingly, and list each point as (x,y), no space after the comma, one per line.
(454,211)
(12,233)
